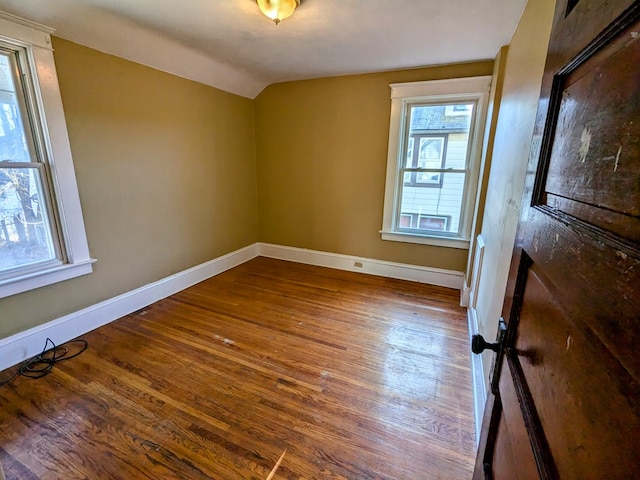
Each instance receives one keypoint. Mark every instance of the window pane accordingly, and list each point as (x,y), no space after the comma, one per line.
(406,221)
(431,118)
(433,222)
(457,146)
(428,178)
(409,153)
(13,140)
(437,209)
(454,120)
(430,152)
(25,237)
(430,156)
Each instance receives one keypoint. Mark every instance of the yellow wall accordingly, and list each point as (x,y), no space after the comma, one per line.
(522,78)
(321,159)
(166,174)
(493,111)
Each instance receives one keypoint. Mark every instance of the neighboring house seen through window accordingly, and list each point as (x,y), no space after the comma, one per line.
(42,237)
(432,168)
(424,162)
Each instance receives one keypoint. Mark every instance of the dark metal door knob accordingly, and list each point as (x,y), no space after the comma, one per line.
(479,344)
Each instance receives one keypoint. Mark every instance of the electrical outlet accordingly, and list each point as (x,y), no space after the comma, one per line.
(357,264)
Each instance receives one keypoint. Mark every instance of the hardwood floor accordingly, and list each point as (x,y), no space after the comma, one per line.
(358,377)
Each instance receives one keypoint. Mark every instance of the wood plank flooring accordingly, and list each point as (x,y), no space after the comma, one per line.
(357,376)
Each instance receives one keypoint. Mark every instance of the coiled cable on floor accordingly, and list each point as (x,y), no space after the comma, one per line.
(42,364)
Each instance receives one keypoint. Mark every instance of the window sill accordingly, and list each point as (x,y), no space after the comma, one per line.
(42,278)
(426,240)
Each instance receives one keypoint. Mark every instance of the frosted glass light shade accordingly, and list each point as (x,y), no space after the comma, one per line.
(278,10)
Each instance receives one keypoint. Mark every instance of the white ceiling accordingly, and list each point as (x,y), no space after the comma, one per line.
(229,44)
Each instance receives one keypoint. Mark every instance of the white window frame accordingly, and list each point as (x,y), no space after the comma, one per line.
(75,259)
(472,89)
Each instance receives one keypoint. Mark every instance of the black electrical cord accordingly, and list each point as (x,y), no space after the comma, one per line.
(42,364)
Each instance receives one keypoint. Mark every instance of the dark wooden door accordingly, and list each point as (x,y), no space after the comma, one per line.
(565,400)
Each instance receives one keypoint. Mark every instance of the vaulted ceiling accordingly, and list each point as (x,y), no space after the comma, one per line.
(229,44)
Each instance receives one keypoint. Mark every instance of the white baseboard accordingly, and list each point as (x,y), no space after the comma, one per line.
(465,294)
(23,345)
(402,271)
(477,375)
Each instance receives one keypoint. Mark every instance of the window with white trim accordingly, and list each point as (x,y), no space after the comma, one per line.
(42,236)
(435,143)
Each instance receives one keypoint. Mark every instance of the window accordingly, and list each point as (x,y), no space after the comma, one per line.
(42,237)
(435,140)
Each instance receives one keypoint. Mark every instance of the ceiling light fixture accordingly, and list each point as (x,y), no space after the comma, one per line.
(278,10)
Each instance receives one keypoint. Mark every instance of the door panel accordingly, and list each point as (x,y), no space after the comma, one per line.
(509,454)
(566,389)
(512,437)
(566,366)
(596,135)
(595,277)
